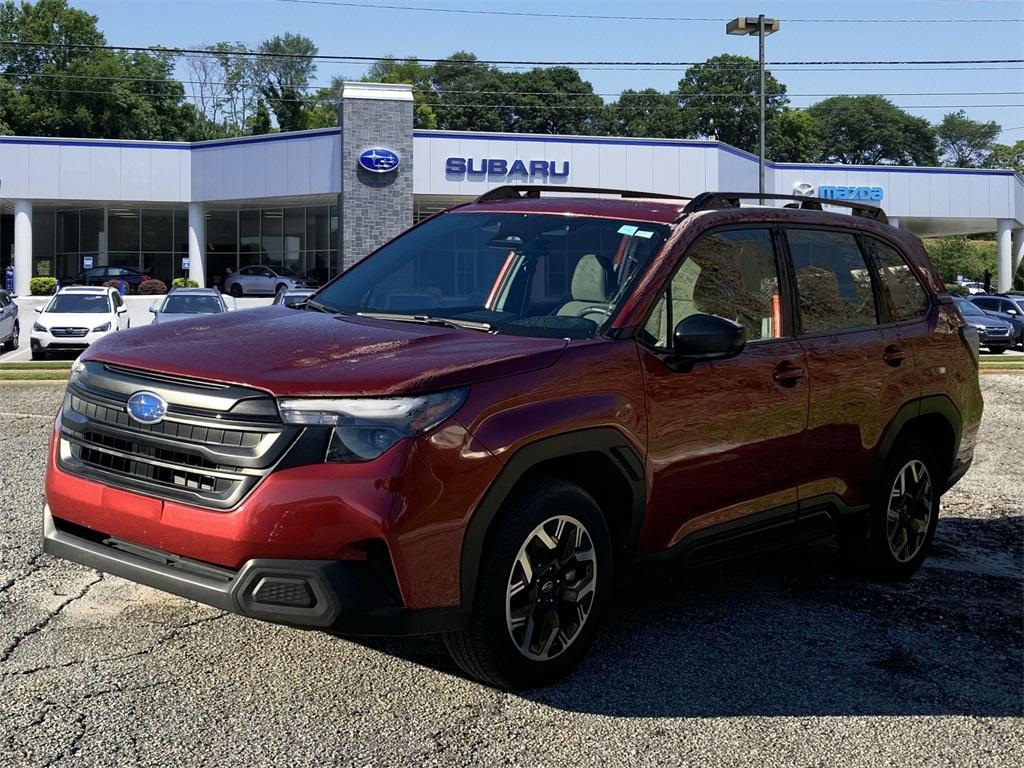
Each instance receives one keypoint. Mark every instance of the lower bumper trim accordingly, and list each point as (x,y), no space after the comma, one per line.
(343,596)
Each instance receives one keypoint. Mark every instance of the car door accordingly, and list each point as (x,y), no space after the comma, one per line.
(120,311)
(860,371)
(726,437)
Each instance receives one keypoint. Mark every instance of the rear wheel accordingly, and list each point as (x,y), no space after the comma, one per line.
(894,541)
(281,288)
(545,578)
(12,343)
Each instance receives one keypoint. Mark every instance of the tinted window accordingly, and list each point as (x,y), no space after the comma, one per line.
(833,282)
(731,274)
(79,303)
(192,305)
(901,289)
(524,274)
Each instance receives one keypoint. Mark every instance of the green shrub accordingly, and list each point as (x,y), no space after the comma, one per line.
(184,282)
(152,287)
(42,286)
(954,289)
(956,255)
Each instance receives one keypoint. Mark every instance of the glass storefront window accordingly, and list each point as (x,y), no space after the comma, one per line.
(181,231)
(249,238)
(157,230)
(222,232)
(93,239)
(124,229)
(67,232)
(272,236)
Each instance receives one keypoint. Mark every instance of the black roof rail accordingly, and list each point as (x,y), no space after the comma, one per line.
(528,191)
(707,201)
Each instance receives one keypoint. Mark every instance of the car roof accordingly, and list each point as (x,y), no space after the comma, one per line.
(654,211)
(201,291)
(85,289)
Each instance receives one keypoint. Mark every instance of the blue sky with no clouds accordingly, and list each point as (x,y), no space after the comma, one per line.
(986,94)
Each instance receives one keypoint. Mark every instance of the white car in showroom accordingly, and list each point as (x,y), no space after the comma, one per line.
(77,317)
(266,280)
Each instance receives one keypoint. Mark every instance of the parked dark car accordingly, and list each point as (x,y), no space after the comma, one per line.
(476,430)
(1007,308)
(9,327)
(101,275)
(994,333)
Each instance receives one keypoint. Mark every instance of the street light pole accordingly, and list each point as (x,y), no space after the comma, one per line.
(762,27)
(760,69)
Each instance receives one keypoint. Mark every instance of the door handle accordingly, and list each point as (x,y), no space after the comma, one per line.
(893,355)
(787,374)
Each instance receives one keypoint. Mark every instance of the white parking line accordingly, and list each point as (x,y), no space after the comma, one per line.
(23,416)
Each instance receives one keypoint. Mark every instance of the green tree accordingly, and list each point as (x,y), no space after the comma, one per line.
(1007,156)
(259,123)
(872,130)
(470,96)
(720,99)
(551,100)
(965,143)
(392,70)
(956,256)
(284,72)
(794,136)
(646,113)
(68,90)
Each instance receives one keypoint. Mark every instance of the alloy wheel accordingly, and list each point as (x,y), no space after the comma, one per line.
(910,510)
(551,588)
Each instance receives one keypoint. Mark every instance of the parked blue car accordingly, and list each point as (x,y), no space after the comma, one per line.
(9,329)
(1005,307)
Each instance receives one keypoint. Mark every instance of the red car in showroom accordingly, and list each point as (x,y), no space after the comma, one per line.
(475,430)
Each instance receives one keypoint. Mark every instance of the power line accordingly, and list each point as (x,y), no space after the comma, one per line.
(457,62)
(611,17)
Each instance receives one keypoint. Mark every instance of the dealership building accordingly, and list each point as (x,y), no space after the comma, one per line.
(317,201)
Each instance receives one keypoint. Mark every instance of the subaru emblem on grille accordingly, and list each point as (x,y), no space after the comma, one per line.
(147,407)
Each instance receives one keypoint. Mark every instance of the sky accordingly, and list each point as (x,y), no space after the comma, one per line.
(987,29)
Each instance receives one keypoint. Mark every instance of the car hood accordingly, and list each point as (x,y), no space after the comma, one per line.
(289,352)
(74,319)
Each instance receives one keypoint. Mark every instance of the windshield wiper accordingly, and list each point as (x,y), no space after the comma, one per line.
(317,306)
(449,322)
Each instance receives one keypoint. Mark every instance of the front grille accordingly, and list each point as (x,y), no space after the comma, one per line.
(997,331)
(68,332)
(213,447)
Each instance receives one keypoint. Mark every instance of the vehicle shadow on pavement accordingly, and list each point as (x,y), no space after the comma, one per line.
(787,634)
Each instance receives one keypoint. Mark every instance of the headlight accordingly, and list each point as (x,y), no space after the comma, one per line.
(77,369)
(38,327)
(979,326)
(366,427)
(99,328)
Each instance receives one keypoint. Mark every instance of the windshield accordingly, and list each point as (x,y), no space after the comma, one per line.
(967,308)
(191,305)
(79,304)
(520,274)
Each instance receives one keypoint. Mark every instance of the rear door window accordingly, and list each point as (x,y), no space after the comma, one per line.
(901,290)
(833,281)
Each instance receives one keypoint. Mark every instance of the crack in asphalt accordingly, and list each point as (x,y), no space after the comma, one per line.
(39,626)
(172,633)
(31,567)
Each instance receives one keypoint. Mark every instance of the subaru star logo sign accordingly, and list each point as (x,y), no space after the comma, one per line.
(147,407)
(379,159)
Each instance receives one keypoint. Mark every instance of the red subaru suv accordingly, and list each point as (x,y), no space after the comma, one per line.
(476,429)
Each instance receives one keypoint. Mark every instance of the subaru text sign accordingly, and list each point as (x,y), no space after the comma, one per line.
(870,194)
(473,168)
(379,159)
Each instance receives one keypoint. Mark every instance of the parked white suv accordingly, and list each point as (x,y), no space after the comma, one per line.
(77,317)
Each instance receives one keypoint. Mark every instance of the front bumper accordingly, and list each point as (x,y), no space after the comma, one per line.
(40,340)
(345,597)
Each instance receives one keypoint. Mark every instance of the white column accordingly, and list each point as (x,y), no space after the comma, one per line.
(1017,247)
(894,221)
(1005,277)
(197,243)
(22,246)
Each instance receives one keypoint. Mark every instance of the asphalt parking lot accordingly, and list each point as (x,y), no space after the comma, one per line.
(777,661)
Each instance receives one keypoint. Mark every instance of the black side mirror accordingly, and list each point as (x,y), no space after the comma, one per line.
(707,337)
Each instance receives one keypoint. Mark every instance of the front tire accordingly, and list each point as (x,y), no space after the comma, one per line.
(897,534)
(236,290)
(545,580)
(12,343)
(38,354)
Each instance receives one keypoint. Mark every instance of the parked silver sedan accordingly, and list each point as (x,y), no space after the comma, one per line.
(291,297)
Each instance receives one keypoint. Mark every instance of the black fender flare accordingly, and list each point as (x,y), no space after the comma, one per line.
(605,440)
(939,405)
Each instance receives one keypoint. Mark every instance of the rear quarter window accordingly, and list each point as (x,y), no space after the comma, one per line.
(901,290)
